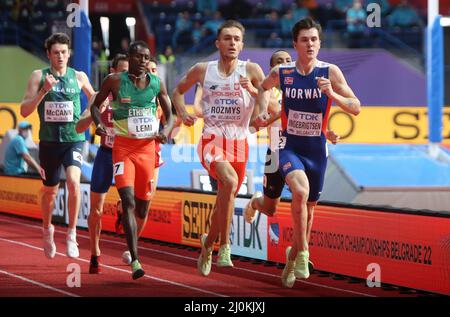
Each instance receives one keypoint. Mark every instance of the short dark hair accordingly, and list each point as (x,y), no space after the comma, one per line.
(134,47)
(271,57)
(118,58)
(56,38)
(153,59)
(231,24)
(305,24)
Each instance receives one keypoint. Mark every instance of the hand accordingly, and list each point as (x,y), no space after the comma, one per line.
(162,138)
(325,86)
(262,120)
(100,130)
(247,84)
(188,119)
(332,136)
(49,82)
(42,173)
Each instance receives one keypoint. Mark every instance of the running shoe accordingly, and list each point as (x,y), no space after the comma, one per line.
(205,259)
(126,257)
(72,245)
(224,256)
(49,242)
(250,213)
(94,265)
(137,271)
(288,275)
(301,264)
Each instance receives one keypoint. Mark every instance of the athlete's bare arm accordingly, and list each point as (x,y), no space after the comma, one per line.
(86,119)
(260,115)
(109,85)
(166,107)
(337,89)
(194,75)
(33,95)
(197,101)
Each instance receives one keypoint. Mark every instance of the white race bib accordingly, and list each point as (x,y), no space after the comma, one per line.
(304,123)
(143,126)
(58,111)
(109,137)
(226,110)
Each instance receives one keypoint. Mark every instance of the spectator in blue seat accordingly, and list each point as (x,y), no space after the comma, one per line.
(356,24)
(404,16)
(273,5)
(183,26)
(206,7)
(300,12)
(287,22)
(342,6)
(17,154)
(211,26)
(274,41)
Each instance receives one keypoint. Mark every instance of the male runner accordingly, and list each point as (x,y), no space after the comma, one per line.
(55,92)
(135,125)
(227,104)
(102,172)
(308,86)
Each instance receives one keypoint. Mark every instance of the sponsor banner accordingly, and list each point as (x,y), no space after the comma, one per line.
(249,240)
(410,250)
(10,117)
(196,210)
(20,196)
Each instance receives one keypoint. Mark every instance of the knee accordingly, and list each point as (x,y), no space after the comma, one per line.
(49,192)
(230,183)
(95,213)
(128,206)
(271,209)
(300,194)
(73,186)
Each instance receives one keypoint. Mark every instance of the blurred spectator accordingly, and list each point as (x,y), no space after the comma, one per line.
(274,41)
(287,22)
(124,44)
(183,27)
(167,57)
(17,153)
(356,24)
(238,9)
(197,32)
(212,26)
(342,6)
(404,16)
(299,11)
(206,7)
(273,5)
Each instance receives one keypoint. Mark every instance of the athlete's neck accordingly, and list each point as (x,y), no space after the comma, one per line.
(58,71)
(305,67)
(227,66)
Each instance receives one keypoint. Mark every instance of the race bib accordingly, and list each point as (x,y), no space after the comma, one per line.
(143,126)
(226,110)
(109,137)
(304,123)
(58,111)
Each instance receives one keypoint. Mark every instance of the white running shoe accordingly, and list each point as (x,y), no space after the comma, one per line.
(49,242)
(205,259)
(224,256)
(301,264)
(250,213)
(72,245)
(126,257)
(288,276)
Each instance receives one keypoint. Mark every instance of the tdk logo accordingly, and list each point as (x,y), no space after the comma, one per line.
(245,235)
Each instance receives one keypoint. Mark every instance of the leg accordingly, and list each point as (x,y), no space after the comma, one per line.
(141,222)
(310,206)
(266,205)
(298,183)
(47,197)
(221,217)
(142,207)
(128,219)
(73,174)
(95,221)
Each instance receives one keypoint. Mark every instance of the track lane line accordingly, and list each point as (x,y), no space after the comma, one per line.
(122,270)
(195,259)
